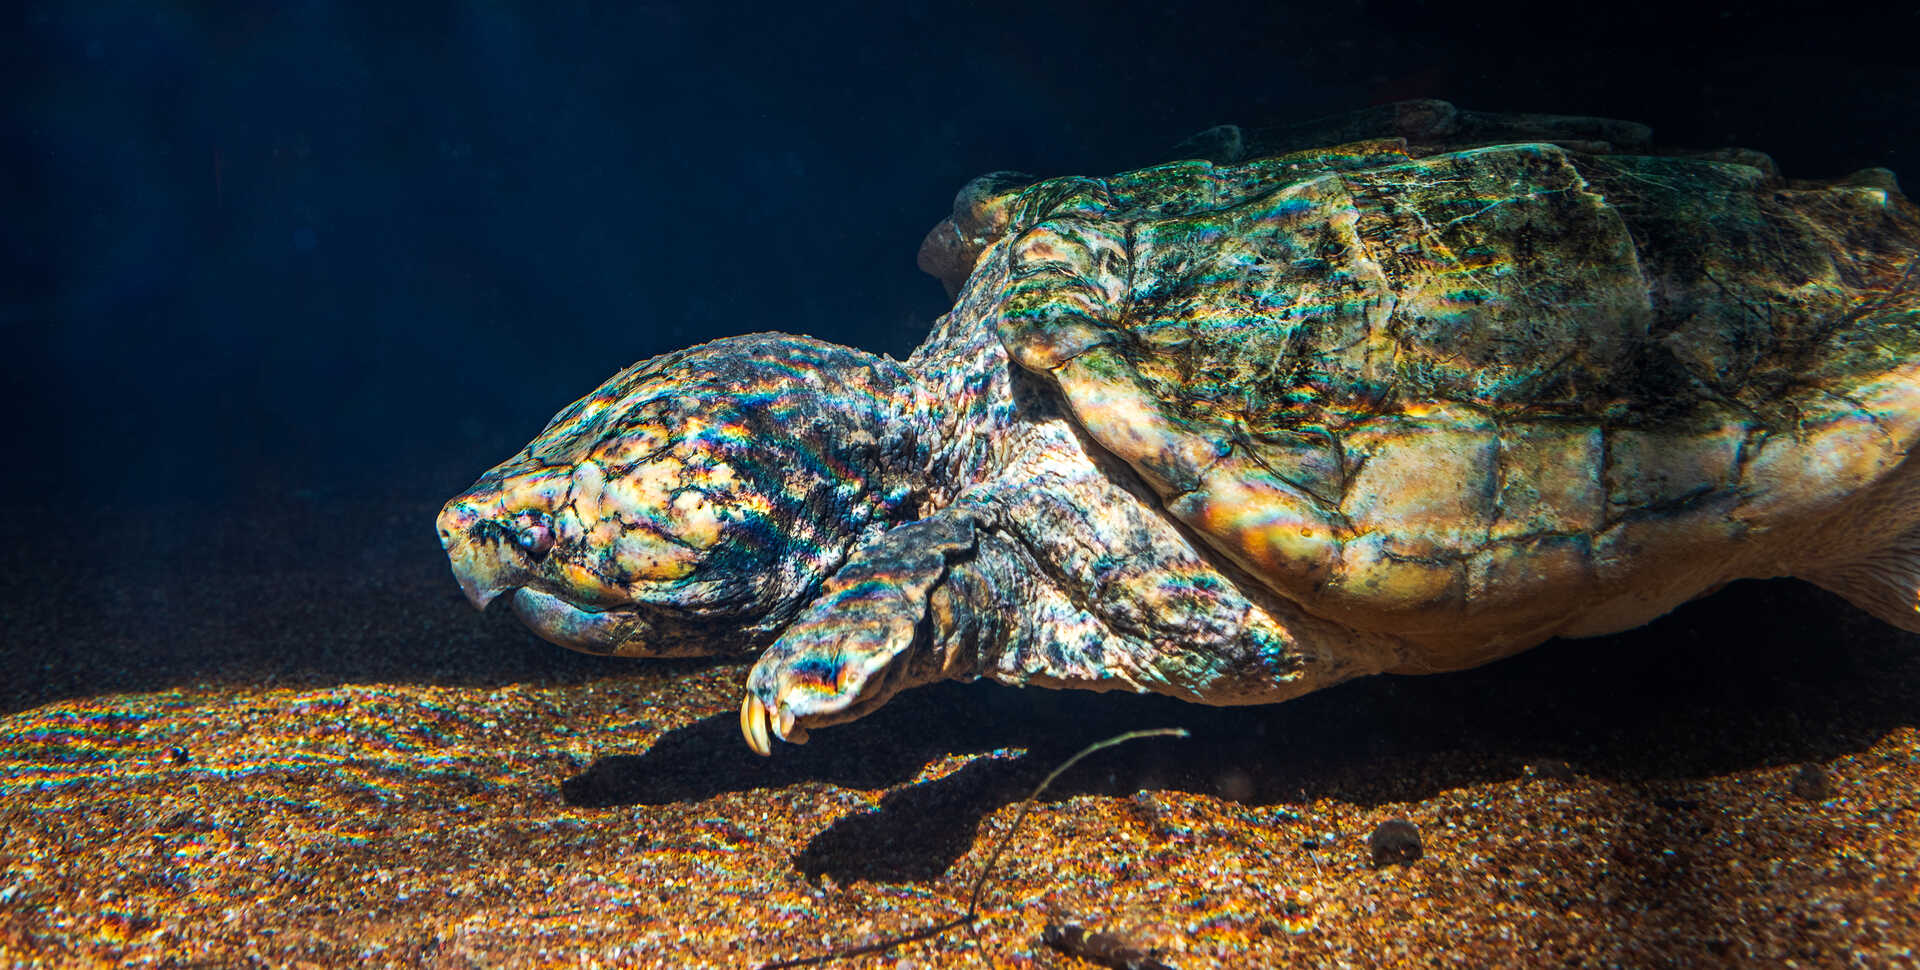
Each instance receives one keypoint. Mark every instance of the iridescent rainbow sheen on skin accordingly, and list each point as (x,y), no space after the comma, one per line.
(1234,432)
(720,514)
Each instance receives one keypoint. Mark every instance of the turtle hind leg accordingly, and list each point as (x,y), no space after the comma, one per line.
(1885,582)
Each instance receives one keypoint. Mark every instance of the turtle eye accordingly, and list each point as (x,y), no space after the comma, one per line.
(533,533)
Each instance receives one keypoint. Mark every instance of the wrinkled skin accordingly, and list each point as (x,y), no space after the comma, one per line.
(690,505)
(1235,430)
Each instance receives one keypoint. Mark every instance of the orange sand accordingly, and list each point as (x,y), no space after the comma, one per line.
(219,787)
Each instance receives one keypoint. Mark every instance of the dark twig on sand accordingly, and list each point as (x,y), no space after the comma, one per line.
(972,914)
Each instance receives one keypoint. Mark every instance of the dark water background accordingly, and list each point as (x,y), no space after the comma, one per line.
(280,276)
(262,249)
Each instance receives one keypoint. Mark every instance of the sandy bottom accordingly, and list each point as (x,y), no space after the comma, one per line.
(214,753)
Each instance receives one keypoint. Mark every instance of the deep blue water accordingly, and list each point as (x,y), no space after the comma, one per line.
(319,248)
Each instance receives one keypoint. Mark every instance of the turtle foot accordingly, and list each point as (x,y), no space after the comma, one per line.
(840,660)
(855,647)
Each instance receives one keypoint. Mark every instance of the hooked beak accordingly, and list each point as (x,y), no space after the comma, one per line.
(489,557)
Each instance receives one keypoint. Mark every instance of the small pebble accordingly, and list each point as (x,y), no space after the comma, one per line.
(1107,949)
(1395,841)
(1812,784)
(178,755)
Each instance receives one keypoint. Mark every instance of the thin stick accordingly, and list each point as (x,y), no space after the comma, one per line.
(979,885)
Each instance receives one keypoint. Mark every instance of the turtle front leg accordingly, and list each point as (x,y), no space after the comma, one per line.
(908,609)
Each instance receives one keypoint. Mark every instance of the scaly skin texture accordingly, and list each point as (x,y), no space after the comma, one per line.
(1239,429)
(694,502)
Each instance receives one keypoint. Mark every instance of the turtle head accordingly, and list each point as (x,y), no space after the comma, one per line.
(693,503)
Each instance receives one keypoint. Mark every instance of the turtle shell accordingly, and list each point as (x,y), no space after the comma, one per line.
(1456,387)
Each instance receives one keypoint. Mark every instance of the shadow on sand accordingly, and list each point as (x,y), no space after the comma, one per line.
(1762,674)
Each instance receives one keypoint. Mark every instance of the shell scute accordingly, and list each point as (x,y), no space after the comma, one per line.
(1549,480)
(1518,573)
(1172,452)
(1309,459)
(1061,282)
(1649,470)
(1263,522)
(1375,573)
(1392,487)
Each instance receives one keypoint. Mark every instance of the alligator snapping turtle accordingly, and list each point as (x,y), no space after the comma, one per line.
(1242,426)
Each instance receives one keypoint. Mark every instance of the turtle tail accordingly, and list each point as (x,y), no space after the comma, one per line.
(1885,582)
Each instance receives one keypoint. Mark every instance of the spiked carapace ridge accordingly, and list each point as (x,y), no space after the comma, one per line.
(1409,390)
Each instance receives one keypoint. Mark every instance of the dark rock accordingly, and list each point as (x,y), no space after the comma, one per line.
(1551,768)
(1811,783)
(1395,841)
(1107,949)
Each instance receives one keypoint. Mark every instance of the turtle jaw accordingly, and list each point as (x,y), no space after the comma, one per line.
(498,554)
(612,632)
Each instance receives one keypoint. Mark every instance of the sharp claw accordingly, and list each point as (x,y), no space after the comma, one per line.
(784,726)
(753,724)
